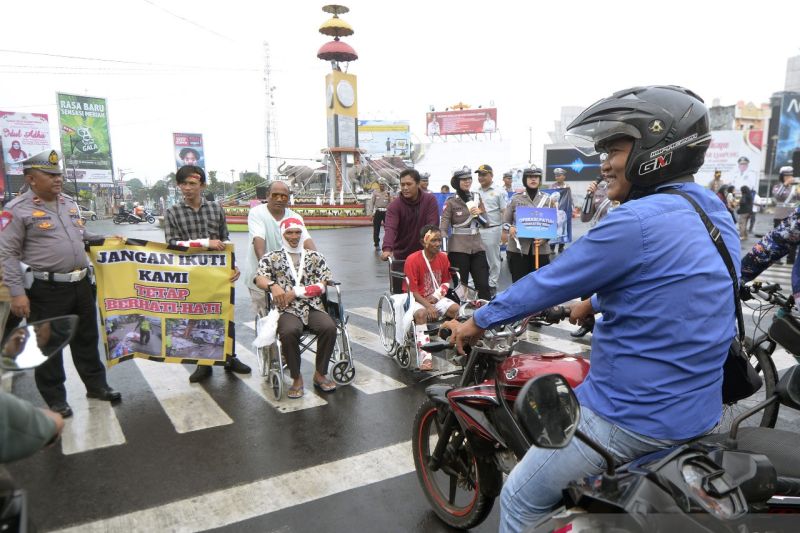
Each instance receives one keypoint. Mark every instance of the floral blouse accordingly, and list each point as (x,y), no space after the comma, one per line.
(275,266)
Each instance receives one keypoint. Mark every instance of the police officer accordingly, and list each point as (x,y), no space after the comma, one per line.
(43,228)
(380,202)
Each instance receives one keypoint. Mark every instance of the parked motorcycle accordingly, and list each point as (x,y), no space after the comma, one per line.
(746,480)
(23,348)
(126,217)
(149,217)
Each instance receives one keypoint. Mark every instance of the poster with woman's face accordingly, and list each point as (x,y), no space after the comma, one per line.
(22,135)
(188,149)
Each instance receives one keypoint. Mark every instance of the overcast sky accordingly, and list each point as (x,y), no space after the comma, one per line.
(197,66)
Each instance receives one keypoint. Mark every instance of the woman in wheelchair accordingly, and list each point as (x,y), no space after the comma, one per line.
(295,280)
(428,274)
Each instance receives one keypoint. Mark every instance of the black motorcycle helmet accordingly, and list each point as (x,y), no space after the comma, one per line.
(668,124)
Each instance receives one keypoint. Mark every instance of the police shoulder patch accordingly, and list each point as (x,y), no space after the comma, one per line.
(5,219)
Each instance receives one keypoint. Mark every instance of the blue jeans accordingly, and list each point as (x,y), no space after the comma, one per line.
(534,487)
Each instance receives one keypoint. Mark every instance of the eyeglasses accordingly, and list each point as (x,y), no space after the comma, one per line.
(279,195)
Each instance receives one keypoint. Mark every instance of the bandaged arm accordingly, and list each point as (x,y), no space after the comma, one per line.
(310,291)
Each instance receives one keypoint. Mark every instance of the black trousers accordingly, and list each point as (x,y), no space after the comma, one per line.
(553,249)
(52,299)
(144,337)
(475,264)
(790,257)
(520,265)
(290,329)
(377,219)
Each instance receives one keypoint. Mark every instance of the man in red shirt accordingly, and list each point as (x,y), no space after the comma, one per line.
(428,273)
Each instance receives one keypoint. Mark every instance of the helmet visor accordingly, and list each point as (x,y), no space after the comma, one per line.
(589,138)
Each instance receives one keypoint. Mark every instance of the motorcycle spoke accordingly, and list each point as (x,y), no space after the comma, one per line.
(451,498)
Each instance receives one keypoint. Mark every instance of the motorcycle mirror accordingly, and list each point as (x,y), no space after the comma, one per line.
(548,410)
(30,345)
(788,388)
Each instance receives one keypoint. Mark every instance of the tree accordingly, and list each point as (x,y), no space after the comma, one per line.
(249,181)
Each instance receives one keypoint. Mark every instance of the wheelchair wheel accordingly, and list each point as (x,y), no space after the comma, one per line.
(343,372)
(386,323)
(275,370)
(404,356)
(276,382)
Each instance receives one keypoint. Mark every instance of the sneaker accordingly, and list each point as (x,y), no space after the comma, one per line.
(234,365)
(202,372)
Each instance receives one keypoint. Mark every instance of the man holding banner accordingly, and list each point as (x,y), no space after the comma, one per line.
(198,223)
(43,228)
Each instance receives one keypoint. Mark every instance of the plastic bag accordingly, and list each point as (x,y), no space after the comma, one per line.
(267,329)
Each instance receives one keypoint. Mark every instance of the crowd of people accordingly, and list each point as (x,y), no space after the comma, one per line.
(626,269)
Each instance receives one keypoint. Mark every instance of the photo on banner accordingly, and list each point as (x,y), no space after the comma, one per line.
(561,200)
(164,303)
(85,138)
(188,149)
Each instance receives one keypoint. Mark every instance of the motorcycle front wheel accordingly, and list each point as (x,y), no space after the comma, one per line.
(151,220)
(454,489)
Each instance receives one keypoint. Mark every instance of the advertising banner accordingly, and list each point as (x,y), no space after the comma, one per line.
(163,303)
(578,167)
(85,139)
(737,154)
(21,136)
(788,132)
(561,199)
(482,120)
(188,148)
(385,138)
(536,222)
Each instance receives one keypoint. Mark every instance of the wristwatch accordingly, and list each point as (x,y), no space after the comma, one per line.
(506,227)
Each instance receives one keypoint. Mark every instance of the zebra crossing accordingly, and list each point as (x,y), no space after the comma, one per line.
(191,408)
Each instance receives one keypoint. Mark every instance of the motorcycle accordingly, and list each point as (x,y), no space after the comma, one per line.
(26,347)
(128,217)
(466,437)
(746,480)
(149,217)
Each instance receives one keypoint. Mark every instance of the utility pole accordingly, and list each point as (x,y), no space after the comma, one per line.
(270,121)
(530,145)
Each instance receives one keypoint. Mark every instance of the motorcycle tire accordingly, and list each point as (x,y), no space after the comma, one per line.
(151,220)
(766,418)
(472,507)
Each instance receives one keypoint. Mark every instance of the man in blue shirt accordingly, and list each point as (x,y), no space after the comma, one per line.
(659,283)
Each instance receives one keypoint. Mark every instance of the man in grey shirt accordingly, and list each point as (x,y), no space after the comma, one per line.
(494,200)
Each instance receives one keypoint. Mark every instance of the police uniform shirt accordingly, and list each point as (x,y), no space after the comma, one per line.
(494,202)
(49,237)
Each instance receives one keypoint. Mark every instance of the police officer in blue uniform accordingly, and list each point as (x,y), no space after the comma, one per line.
(42,228)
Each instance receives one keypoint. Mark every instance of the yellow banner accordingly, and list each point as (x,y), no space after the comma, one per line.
(164,303)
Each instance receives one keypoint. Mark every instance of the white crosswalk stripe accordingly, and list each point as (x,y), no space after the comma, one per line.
(94,423)
(236,504)
(188,405)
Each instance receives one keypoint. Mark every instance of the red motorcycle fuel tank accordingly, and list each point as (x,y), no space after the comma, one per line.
(518,369)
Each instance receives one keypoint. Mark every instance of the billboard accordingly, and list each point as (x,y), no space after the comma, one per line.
(788,131)
(481,120)
(85,139)
(21,136)
(188,149)
(723,154)
(385,138)
(578,167)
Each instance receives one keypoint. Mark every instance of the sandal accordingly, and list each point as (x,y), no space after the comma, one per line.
(295,393)
(325,386)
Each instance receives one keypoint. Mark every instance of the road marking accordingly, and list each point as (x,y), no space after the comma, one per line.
(260,385)
(94,423)
(188,406)
(236,504)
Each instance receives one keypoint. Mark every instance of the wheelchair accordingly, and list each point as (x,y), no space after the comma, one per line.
(406,353)
(272,364)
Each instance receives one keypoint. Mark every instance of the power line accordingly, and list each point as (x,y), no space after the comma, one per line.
(189,21)
(106,60)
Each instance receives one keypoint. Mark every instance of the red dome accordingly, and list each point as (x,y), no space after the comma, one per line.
(337,51)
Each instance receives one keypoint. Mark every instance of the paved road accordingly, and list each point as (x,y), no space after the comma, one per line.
(224,455)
